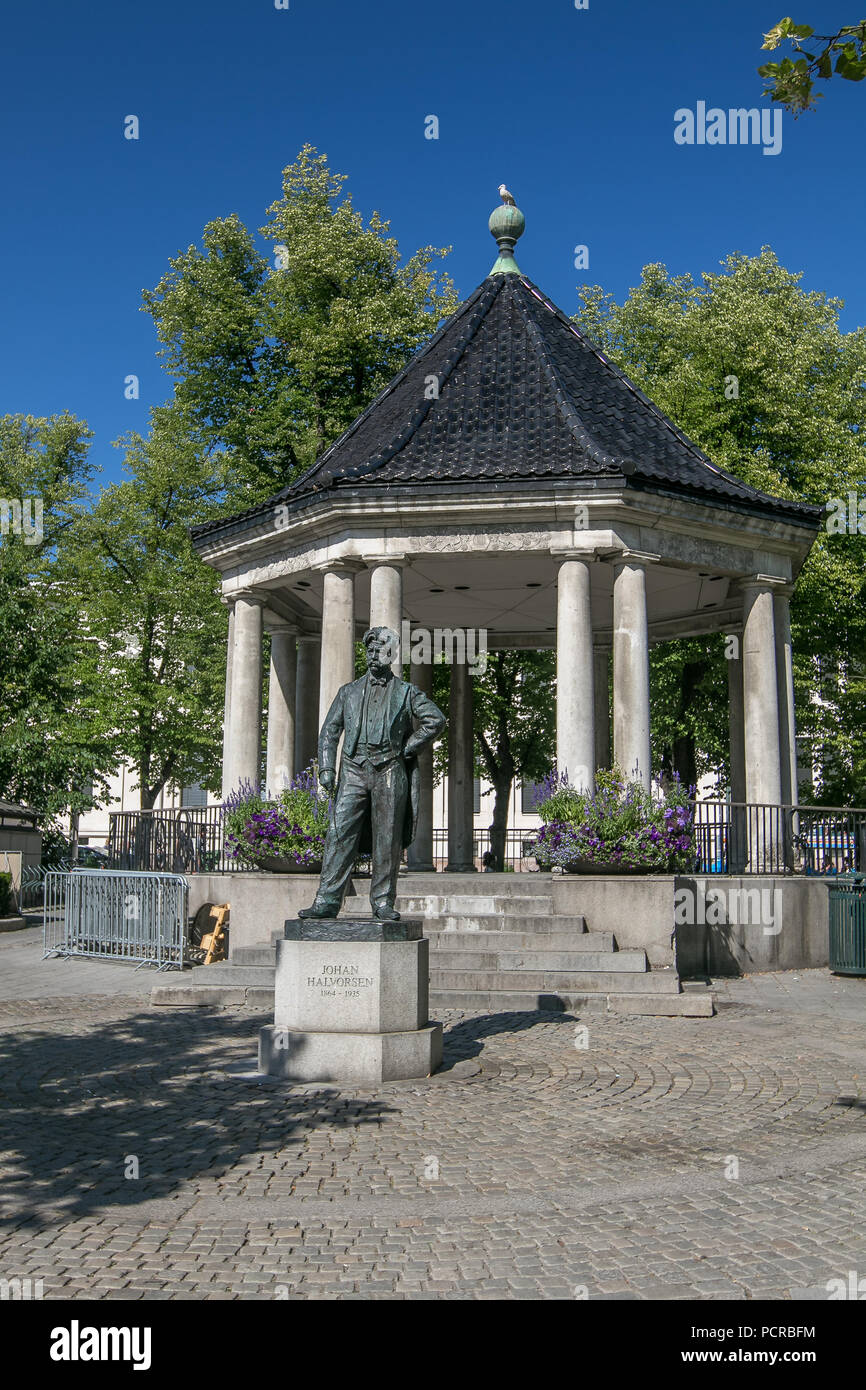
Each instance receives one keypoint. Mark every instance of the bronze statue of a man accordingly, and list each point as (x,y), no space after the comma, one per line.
(385,722)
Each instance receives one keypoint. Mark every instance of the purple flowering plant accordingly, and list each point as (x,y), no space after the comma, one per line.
(619,823)
(291,825)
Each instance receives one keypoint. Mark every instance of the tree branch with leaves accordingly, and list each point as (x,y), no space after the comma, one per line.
(792,81)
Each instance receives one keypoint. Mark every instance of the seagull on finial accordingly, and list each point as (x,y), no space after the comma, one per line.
(507,198)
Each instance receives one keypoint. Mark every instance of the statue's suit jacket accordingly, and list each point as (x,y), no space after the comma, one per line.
(406,737)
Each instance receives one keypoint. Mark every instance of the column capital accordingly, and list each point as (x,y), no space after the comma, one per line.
(767,582)
(278,624)
(347,566)
(627,556)
(248,595)
(394,562)
(589,555)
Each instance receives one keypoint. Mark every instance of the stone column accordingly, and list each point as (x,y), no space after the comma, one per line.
(601,671)
(631,705)
(386,603)
(761,728)
(461,778)
(760,696)
(420,855)
(227,706)
(281,708)
(575,675)
(307,701)
(338,635)
(736,725)
(246,696)
(737,847)
(785,683)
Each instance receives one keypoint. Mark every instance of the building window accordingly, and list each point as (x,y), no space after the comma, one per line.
(476,796)
(194,795)
(528,794)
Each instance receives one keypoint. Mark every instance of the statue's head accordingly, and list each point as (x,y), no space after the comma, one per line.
(382,647)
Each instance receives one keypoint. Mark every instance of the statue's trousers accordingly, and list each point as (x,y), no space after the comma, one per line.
(380,793)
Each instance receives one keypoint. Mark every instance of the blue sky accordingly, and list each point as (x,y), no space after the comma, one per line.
(574,110)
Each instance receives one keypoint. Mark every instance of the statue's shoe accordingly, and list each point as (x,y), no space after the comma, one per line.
(385,913)
(319,910)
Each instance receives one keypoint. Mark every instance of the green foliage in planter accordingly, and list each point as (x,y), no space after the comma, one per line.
(291,826)
(619,823)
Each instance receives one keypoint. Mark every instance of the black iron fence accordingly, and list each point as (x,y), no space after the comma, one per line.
(730,838)
(519,849)
(189,841)
(740,838)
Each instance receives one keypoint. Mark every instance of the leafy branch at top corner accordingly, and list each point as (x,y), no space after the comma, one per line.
(792,81)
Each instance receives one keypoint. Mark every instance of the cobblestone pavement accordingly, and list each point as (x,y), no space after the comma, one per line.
(645,1158)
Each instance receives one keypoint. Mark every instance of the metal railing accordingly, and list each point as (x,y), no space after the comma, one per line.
(749,838)
(730,838)
(109,914)
(519,849)
(189,841)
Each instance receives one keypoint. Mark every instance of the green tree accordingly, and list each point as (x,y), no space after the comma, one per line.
(273,359)
(156,658)
(757,372)
(792,81)
(513,725)
(54,752)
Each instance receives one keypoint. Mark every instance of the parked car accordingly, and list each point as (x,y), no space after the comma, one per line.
(91,857)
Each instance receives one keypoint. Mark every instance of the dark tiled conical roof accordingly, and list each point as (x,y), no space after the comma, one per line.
(508,390)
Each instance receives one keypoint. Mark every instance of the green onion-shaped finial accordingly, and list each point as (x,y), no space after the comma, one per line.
(506,224)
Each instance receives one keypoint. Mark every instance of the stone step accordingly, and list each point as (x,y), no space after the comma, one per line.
(514,1001)
(488,922)
(692,1004)
(255,955)
(579,943)
(688,1005)
(571,939)
(220,996)
(231,972)
(483,885)
(556,981)
(545,961)
(474,905)
(518,1001)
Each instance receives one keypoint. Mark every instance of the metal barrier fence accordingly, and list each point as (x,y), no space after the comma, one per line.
(105,913)
(848,927)
(32,894)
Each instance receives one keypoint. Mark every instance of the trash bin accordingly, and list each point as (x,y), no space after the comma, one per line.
(848,926)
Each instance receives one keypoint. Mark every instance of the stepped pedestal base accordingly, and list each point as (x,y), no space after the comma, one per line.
(351,1003)
(361,1059)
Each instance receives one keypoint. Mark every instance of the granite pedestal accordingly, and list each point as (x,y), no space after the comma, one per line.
(350,1003)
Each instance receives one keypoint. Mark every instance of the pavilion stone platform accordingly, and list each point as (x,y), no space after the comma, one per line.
(351,1003)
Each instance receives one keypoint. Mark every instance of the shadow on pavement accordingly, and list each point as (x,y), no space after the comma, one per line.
(467,1038)
(79,1108)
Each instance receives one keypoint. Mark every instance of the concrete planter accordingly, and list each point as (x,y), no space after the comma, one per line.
(607,867)
(272,864)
